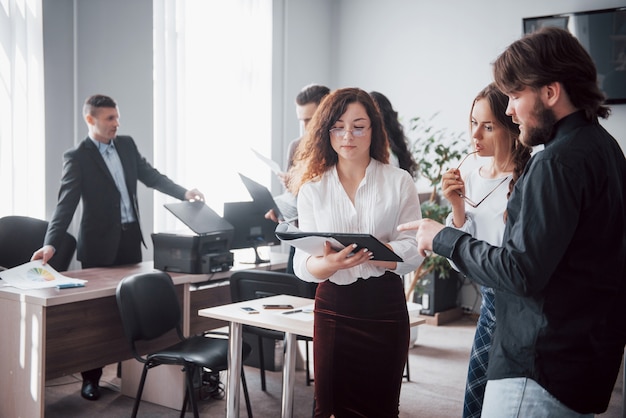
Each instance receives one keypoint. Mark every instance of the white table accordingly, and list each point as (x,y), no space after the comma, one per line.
(292,325)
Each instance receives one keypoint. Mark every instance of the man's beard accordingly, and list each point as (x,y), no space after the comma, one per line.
(540,133)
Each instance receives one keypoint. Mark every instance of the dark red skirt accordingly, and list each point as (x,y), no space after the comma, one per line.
(360,342)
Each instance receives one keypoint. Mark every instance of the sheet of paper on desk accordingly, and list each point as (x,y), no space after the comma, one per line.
(34,275)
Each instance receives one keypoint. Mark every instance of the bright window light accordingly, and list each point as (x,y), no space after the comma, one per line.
(212,97)
(22,164)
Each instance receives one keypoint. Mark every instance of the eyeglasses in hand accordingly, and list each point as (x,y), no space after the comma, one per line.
(467,199)
(465,158)
(341,132)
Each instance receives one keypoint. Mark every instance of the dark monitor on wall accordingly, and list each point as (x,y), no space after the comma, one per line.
(603,34)
(251,229)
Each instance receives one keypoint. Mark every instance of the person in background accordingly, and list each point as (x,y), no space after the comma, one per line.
(400,156)
(102,172)
(483,213)
(345,184)
(307,101)
(560,274)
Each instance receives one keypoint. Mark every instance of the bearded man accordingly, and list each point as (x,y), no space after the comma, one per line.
(560,274)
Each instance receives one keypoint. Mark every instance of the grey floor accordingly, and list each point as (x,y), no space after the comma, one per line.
(438,365)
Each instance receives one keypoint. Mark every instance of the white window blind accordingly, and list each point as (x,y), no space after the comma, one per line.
(21,109)
(212,80)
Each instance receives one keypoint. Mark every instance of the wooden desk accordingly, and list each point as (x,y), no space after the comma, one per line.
(48,333)
(291,325)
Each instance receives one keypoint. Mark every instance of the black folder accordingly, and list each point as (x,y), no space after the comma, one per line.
(306,241)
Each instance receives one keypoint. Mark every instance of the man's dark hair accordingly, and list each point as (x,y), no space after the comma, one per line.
(97,101)
(552,55)
(313,93)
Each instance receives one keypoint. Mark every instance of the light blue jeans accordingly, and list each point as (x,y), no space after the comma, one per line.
(522,397)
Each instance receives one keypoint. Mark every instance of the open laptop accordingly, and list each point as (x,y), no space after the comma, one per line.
(200,218)
(261,196)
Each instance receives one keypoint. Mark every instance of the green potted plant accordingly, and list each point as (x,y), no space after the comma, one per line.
(435,150)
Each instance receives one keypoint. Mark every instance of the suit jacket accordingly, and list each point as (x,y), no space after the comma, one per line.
(87,178)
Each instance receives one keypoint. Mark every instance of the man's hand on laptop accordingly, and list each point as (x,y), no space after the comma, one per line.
(271,215)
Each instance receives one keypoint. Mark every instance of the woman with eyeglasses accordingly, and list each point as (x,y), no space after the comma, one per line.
(344,184)
(479,203)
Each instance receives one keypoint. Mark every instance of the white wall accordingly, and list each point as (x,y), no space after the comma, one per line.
(59,94)
(434,56)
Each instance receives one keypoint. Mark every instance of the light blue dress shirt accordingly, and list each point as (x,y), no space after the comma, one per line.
(113,162)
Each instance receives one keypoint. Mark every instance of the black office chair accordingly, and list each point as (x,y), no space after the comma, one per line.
(255,284)
(21,236)
(149,307)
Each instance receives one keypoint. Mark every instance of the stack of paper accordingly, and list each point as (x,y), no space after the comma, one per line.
(34,275)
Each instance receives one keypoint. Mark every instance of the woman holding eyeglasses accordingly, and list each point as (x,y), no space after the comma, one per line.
(479,207)
(344,184)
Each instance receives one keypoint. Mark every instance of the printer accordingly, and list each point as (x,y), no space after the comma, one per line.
(206,251)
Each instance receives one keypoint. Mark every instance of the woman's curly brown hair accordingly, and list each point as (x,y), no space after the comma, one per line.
(315,154)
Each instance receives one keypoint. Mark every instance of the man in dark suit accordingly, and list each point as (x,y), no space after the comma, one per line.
(102,171)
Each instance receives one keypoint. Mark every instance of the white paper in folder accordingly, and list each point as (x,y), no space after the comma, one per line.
(312,244)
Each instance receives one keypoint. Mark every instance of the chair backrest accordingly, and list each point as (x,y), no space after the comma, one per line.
(21,236)
(254,284)
(149,307)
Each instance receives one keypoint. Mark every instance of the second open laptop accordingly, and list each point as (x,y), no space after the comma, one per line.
(261,196)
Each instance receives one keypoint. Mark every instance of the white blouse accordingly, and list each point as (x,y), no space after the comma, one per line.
(486,222)
(386,197)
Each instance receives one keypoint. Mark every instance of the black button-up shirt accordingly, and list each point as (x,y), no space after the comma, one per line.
(560,275)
